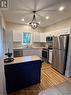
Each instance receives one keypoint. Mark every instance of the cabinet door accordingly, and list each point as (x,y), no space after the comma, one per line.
(20,76)
(37,51)
(42,37)
(30,52)
(50,56)
(26,52)
(36,37)
(17,36)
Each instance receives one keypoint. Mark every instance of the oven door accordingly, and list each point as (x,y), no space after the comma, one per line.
(45,54)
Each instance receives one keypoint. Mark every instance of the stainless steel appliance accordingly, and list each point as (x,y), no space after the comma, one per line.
(45,54)
(49,39)
(49,42)
(60,50)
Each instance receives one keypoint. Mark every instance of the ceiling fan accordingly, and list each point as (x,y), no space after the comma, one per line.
(36,12)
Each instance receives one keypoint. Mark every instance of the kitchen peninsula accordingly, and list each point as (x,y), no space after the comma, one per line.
(22,72)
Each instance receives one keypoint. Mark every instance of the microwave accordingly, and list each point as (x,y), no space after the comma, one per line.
(49,39)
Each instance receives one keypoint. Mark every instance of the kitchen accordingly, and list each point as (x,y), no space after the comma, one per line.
(37,44)
(38,48)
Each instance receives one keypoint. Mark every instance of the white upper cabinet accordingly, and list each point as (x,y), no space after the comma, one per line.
(35,37)
(63,31)
(49,34)
(17,36)
(58,32)
(38,37)
(42,37)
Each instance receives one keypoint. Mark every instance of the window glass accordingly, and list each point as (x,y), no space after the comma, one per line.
(26,38)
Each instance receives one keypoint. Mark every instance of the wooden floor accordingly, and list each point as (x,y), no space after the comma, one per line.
(49,78)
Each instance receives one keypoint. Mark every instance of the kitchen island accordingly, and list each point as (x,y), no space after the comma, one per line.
(22,72)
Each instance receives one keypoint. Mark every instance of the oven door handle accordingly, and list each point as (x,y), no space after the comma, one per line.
(44,50)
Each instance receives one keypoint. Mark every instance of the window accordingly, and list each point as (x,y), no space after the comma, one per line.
(26,39)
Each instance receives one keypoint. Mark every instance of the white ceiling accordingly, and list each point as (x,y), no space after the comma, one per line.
(19,9)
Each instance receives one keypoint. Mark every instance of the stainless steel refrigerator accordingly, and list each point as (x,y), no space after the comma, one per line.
(60,50)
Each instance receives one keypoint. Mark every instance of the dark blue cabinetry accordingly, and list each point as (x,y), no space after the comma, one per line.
(21,75)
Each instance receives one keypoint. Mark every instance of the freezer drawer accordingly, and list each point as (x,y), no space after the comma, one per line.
(58,60)
(61,61)
(55,59)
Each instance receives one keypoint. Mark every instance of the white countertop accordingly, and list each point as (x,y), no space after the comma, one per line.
(29,47)
(24,59)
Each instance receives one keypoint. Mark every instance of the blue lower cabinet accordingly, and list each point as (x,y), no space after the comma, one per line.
(22,75)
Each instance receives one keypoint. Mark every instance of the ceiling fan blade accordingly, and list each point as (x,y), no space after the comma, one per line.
(25,10)
(16,12)
(40,16)
(35,4)
(49,10)
(27,15)
(54,4)
(21,11)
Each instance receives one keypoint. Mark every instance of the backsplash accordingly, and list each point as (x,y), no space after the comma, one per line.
(17,44)
(35,44)
(49,45)
(38,44)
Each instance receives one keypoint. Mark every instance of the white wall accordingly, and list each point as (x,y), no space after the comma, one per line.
(22,28)
(58,26)
(2,76)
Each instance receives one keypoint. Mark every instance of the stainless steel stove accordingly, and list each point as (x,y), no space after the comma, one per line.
(45,54)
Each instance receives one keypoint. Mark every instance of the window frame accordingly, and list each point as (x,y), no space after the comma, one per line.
(30,39)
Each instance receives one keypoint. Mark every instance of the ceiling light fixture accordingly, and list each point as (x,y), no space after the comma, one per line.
(22,19)
(61,8)
(34,24)
(39,22)
(27,23)
(47,17)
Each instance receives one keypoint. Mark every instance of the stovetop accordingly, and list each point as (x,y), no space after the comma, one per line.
(47,48)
